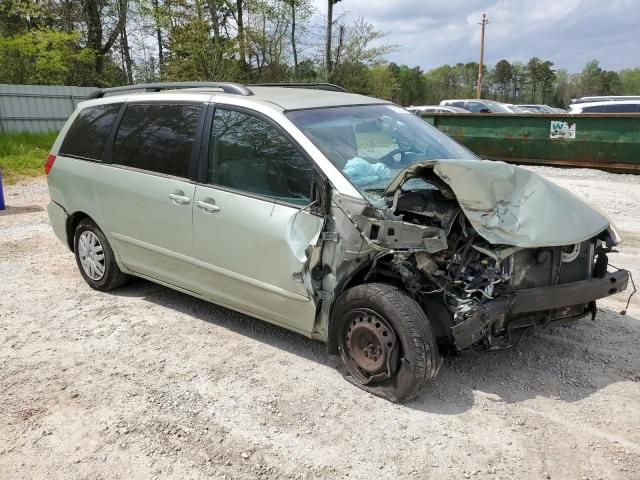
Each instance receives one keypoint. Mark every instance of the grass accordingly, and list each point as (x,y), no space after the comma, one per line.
(23,154)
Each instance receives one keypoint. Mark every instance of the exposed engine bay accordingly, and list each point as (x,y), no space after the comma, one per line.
(478,295)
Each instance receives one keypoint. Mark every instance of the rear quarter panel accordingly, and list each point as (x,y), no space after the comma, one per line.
(71,180)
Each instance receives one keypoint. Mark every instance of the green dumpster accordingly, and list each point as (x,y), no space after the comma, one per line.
(606,141)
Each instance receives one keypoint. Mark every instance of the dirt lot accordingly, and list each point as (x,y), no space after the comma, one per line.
(146,382)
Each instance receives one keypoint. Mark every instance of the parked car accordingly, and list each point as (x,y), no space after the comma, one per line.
(515,108)
(338,216)
(607,106)
(605,98)
(477,106)
(436,109)
(539,108)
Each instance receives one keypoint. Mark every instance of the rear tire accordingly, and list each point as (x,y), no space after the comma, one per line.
(95,258)
(385,342)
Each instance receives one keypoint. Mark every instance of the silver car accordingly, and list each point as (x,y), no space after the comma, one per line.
(342,217)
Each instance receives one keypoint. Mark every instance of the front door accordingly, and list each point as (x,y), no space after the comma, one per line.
(251,227)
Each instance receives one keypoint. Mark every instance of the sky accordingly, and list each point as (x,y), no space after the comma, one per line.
(430,33)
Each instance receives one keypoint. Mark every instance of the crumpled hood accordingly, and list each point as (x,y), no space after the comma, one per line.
(510,205)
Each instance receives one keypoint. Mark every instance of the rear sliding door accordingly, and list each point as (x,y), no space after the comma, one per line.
(145,195)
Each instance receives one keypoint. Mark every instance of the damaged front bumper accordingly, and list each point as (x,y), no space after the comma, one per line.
(511,311)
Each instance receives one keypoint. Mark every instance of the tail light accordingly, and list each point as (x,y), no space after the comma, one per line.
(49,163)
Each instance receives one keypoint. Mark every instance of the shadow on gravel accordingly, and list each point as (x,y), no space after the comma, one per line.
(236,322)
(9,210)
(567,362)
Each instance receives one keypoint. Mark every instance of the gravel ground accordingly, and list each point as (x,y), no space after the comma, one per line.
(146,382)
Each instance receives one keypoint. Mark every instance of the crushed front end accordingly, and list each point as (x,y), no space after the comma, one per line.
(479,294)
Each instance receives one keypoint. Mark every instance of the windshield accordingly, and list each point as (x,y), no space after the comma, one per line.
(371,144)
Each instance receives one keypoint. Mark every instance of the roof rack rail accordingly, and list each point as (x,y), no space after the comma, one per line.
(227,87)
(314,86)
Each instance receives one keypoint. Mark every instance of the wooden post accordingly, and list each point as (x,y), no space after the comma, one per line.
(483,24)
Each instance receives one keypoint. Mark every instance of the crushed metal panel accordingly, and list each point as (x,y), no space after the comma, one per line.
(395,234)
(510,205)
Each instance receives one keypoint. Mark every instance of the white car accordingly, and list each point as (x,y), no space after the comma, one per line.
(606,106)
(436,109)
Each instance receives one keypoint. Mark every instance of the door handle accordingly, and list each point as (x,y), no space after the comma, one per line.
(179,198)
(207,205)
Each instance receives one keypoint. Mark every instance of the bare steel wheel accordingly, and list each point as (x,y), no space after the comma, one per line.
(91,255)
(370,347)
(95,258)
(385,342)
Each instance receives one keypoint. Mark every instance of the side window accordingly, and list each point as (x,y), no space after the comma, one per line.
(250,154)
(595,109)
(89,132)
(455,104)
(621,108)
(477,107)
(157,137)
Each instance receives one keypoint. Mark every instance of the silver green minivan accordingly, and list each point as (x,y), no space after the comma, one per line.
(342,217)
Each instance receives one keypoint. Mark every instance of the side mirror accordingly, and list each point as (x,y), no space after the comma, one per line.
(485,110)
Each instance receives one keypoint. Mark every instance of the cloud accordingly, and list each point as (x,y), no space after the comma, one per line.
(430,33)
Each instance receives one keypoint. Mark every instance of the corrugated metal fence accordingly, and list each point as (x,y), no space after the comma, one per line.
(38,108)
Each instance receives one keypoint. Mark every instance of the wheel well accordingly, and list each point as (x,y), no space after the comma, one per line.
(358,277)
(72,222)
(436,312)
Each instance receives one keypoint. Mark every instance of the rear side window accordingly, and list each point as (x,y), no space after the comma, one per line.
(158,138)
(89,132)
(478,107)
(621,108)
(250,154)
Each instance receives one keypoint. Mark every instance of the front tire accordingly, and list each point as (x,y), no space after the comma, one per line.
(95,258)
(385,342)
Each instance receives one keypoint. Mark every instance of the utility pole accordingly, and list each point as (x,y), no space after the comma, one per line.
(483,24)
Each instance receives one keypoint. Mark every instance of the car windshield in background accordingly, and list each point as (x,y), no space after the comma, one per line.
(371,144)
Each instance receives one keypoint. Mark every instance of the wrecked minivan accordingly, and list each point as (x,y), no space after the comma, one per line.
(341,217)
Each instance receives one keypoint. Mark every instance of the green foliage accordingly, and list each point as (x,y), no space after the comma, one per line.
(448,81)
(381,83)
(45,57)
(23,154)
(595,81)
(47,42)
(193,56)
(630,80)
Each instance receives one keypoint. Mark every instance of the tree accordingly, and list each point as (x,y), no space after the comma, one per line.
(381,82)
(630,81)
(502,76)
(300,11)
(95,13)
(518,81)
(192,54)
(355,54)
(591,78)
(328,40)
(45,57)
(611,83)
